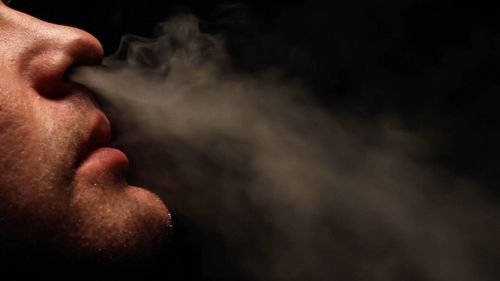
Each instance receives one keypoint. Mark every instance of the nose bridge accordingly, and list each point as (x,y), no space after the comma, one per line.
(50,37)
(79,46)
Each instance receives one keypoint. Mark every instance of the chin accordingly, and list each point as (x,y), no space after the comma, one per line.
(116,224)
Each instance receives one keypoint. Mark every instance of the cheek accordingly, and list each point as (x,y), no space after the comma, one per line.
(17,138)
(23,184)
(30,162)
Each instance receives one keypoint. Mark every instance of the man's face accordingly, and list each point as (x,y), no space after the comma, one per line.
(59,184)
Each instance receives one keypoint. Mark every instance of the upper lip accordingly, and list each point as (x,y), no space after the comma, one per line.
(99,136)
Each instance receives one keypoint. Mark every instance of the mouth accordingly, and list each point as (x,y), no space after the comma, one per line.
(95,154)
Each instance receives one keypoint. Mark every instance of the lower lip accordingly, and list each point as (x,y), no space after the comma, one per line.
(105,159)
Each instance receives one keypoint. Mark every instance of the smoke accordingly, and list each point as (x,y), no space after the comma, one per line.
(269,186)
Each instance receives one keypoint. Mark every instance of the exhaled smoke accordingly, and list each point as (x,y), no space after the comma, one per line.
(275,188)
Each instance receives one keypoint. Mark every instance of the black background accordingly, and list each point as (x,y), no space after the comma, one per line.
(433,64)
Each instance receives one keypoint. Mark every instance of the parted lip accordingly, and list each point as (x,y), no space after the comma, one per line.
(98,136)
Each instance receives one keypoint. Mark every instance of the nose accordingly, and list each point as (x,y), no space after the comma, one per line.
(47,51)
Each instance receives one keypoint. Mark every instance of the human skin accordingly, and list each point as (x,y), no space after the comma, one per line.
(61,186)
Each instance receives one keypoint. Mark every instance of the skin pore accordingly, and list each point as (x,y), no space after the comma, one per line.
(62,189)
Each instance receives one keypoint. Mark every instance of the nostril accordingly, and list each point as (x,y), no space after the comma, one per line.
(48,67)
(45,69)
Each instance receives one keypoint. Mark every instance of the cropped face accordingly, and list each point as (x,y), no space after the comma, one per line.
(61,185)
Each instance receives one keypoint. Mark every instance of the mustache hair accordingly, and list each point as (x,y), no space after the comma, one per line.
(273,186)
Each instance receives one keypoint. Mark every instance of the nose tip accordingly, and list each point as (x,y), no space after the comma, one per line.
(85,49)
(50,58)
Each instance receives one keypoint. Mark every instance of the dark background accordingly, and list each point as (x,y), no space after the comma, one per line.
(433,64)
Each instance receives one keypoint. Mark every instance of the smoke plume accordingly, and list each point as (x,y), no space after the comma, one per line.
(269,186)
